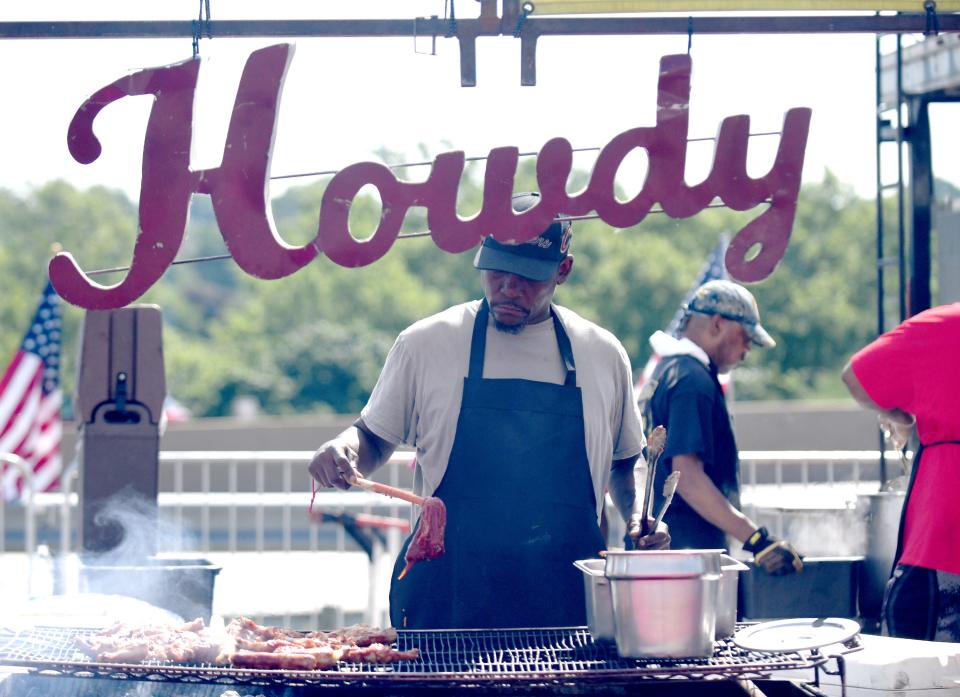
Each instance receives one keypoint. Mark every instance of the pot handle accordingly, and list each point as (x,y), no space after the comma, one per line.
(728,563)
(582,565)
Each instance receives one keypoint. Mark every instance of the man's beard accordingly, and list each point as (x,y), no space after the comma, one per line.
(524,316)
(509,328)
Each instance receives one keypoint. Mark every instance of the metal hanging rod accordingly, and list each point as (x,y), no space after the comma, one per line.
(566,7)
(478,158)
(401,236)
(472,28)
(515,21)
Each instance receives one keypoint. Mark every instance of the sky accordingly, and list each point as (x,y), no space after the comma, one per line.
(345,99)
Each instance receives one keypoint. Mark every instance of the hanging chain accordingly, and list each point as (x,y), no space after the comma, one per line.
(201,26)
(525,11)
(452,20)
(933,21)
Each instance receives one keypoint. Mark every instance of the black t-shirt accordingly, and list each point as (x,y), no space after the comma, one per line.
(690,404)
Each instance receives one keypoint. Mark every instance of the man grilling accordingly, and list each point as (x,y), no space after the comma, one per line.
(522,415)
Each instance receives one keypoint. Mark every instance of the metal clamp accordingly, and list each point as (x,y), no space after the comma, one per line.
(416,35)
(201,26)
(121,415)
(932,20)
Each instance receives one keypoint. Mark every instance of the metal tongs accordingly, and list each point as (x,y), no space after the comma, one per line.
(655,445)
(669,489)
(387,490)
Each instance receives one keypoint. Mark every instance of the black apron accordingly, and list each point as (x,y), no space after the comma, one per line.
(917,457)
(910,606)
(520,508)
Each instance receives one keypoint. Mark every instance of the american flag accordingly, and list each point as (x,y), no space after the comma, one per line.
(713,269)
(30,400)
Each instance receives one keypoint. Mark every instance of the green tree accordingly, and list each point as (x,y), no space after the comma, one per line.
(315,341)
(98,226)
(819,303)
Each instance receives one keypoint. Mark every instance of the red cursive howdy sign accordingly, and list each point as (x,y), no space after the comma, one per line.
(238,187)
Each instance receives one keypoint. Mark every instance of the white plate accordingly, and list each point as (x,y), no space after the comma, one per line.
(796,634)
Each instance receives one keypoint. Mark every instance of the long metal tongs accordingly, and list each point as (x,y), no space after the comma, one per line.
(655,445)
(669,489)
(387,490)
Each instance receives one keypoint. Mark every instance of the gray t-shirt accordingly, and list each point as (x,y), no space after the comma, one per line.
(416,400)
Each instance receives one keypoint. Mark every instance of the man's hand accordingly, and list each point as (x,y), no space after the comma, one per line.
(334,464)
(896,430)
(355,452)
(776,557)
(658,539)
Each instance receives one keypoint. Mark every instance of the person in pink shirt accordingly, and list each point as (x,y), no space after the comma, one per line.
(911,377)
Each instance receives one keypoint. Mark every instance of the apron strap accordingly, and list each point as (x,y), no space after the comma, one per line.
(478,345)
(917,457)
(566,350)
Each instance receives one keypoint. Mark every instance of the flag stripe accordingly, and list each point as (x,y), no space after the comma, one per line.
(21,375)
(30,402)
(20,427)
(47,472)
(9,375)
(50,409)
(48,438)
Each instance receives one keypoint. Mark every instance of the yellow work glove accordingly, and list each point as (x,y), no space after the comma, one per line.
(776,557)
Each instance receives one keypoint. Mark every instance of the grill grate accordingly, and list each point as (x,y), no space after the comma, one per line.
(453,658)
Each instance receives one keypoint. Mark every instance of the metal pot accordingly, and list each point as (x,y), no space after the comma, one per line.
(827,587)
(664,602)
(882,513)
(182,586)
(727,595)
(662,563)
(599,602)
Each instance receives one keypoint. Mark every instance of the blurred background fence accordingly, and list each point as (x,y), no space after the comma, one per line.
(248,511)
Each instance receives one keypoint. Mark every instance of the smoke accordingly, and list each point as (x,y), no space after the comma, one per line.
(828,533)
(831,532)
(128,526)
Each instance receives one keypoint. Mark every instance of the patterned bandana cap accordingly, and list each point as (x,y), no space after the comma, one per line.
(734,302)
(537,259)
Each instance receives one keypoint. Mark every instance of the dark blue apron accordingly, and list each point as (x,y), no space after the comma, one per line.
(909,609)
(520,508)
(915,467)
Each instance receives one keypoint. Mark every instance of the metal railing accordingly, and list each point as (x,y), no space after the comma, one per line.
(201,491)
(227,504)
(256,501)
(771,471)
(25,473)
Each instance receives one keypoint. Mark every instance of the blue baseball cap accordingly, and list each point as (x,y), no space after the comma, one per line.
(537,259)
